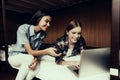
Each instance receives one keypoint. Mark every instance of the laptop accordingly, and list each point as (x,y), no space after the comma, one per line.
(93,62)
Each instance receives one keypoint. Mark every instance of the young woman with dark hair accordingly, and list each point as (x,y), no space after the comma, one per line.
(30,36)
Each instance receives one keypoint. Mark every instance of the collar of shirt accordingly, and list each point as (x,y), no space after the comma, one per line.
(31,29)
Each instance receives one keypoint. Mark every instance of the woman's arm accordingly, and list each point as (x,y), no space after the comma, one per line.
(36,52)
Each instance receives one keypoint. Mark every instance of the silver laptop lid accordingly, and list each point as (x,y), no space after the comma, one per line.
(94,62)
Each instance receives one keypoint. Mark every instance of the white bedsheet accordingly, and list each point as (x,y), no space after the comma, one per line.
(49,70)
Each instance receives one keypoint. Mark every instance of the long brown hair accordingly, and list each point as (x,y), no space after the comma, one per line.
(74,23)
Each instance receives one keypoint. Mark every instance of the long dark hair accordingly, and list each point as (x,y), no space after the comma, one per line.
(37,17)
(74,23)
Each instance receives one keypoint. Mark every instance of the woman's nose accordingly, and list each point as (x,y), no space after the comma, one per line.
(48,24)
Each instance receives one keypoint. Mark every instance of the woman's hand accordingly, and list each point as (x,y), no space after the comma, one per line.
(32,66)
(51,51)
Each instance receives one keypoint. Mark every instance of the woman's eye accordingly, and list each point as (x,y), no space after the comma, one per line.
(73,32)
(80,33)
(46,21)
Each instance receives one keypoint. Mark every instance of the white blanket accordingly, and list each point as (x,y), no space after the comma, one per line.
(49,70)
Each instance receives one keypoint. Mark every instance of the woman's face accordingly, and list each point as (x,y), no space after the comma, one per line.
(44,23)
(74,34)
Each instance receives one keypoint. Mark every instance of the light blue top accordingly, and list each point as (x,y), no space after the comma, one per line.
(26,35)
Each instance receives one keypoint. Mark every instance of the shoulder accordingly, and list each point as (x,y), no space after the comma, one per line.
(62,41)
(62,38)
(81,40)
(23,27)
